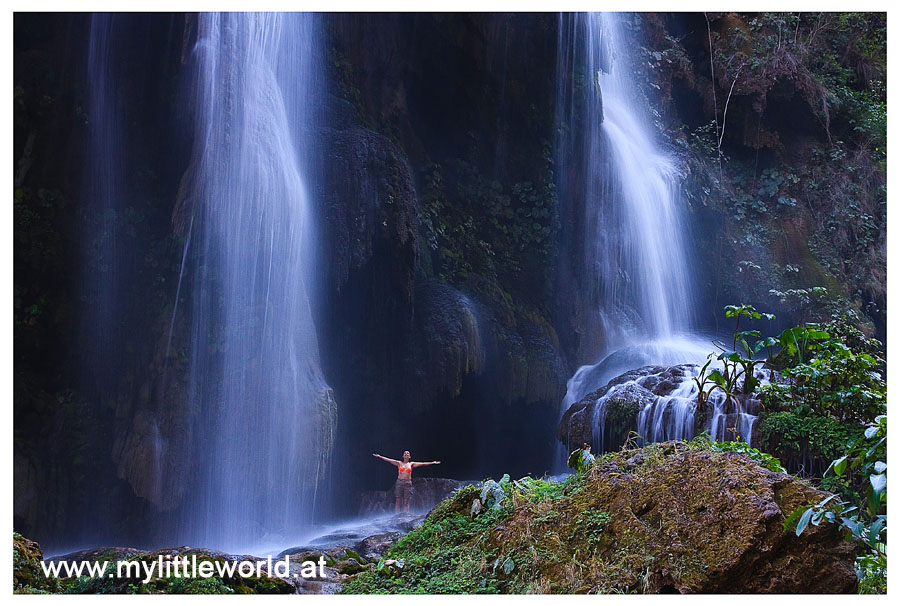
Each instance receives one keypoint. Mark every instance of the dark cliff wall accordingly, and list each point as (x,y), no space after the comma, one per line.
(87,359)
(782,136)
(433,316)
(441,223)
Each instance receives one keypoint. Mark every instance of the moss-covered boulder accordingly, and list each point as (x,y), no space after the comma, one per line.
(28,576)
(672,517)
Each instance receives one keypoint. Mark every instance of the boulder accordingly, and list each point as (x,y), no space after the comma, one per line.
(28,576)
(671,517)
(707,522)
(373,547)
(633,391)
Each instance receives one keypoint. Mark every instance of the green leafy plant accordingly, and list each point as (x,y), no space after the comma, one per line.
(808,440)
(702,380)
(799,343)
(590,525)
(864,464)
(766,460)
(734,363)
(825,377)
(580,460)
(493,493)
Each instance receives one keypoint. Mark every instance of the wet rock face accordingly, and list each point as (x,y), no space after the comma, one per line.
(659,403)
(450,342)
(641,388)
(370,207)
(372,548)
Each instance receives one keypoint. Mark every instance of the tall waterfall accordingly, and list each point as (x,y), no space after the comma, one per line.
(257,393)
(633,254)
(630,185)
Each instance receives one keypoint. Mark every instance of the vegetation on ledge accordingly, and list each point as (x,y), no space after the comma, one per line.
(671,517)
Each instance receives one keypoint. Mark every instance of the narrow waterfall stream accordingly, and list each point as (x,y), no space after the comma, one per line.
(633,245)
(263,408)
(107,258)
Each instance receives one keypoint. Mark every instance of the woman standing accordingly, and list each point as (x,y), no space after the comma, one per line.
(403,487)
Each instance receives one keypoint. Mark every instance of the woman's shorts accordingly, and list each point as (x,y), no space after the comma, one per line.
(403,489)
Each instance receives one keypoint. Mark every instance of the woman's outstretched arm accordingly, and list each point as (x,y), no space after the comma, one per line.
(428,463)
(391,461)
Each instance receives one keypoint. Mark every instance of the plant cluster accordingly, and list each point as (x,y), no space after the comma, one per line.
(863,518)
(807,439)
(827,370)
(763,458)
(589,526)
(825,376)
(735,364)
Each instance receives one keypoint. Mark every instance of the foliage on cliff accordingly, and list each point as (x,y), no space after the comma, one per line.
(28,577)
(781,121)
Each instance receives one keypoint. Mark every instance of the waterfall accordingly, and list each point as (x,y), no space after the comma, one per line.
(106,257)
(630,185)
(633,257)
(257,394)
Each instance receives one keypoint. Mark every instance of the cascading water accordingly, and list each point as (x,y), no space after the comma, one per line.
(257,393)
(106,254)
(633,251)
(632,238)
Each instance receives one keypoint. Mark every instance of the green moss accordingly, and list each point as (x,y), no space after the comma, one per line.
(445,555)
(622,412)
(212,585)
(28,576)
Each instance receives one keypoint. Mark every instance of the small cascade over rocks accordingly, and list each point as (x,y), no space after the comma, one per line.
(658,403)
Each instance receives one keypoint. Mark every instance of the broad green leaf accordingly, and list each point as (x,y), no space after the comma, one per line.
(750,384)
(874,531)
(871,451)
(791,519)
(840,465)
(716,377)
(825,500)
(804,521)
(879,483)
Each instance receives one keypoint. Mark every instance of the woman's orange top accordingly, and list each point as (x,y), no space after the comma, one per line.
(404,471)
